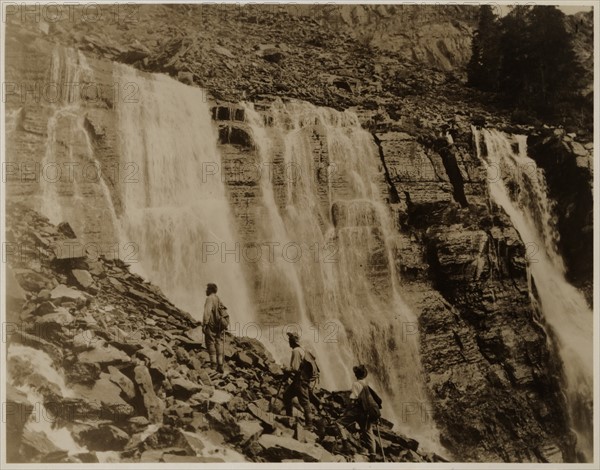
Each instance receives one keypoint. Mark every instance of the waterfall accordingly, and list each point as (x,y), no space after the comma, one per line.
(177,212)
(69,190)
(519,187)
(331,207)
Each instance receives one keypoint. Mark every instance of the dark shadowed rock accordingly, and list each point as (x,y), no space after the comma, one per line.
(66,230)
(278,448)
(104,438)
(154,405)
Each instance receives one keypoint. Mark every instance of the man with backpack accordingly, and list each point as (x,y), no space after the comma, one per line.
(364,409)
(214,324)
(304,372)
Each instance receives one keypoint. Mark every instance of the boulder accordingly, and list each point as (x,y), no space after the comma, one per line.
(103,353)
(35,444)
(142,297)
(66,230)
(194,440)
(83,373)
(220,397)
(108,394)
(278,448)
(104,438)
(185,77)
(84,340)
(29,280)
(243,359)
(151,456)
(124,382)
(44,308)
(83,278)
(184,388)
(63,293)
(264,417)
(249,431)
(404,442)
(171,439)
(59,318)
(222,421)
(196,335)
(154,405)
(303,435)
(157,361)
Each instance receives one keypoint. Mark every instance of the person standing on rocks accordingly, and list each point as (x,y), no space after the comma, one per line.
(358,412)
(301,383)
(213,327)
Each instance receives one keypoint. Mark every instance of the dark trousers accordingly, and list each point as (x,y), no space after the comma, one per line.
(355,414)
(301,389)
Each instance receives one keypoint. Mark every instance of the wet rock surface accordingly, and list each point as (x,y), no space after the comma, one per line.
(146,392)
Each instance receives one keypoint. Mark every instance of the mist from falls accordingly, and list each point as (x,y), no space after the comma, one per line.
(331,205)
(518,186)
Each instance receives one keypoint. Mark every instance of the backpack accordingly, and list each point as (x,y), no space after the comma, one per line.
(309,370)
(370,403)
(220,319)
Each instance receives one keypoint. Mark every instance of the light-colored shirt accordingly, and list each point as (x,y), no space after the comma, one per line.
(357,388)
(210,306)
(297,356)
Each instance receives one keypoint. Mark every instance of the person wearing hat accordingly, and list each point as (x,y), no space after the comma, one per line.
(300,386)
(356,414)
(212,337)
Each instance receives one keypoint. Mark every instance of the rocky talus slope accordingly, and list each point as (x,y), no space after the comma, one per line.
(138,371)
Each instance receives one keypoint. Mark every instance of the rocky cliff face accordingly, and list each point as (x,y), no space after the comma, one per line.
(437,36)
(493,379)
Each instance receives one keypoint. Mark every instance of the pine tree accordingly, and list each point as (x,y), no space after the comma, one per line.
(514,80)
(483,67)
(553,66)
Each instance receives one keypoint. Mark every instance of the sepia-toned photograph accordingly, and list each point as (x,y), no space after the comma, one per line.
(357,235)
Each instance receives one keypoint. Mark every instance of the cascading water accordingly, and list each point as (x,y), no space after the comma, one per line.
(33,365)
(69,190)
(518,186)
(332,201)
(177,212)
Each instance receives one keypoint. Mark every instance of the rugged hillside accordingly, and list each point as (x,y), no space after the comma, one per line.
(581,28)
(493,379)
(126,373)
